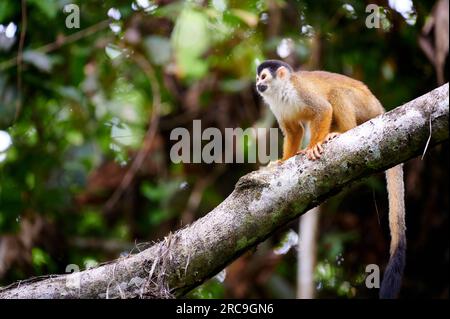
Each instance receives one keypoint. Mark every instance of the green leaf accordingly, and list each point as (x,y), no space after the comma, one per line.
(157,216)
(47,7)
(190,39)
(249,18)
(152,192)
(39,60)
(6,10)
(159,49)
(39,257)
(91,221)
(113,51)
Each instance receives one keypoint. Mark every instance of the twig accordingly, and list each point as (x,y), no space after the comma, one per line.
(149,137)
(20,56)
(196,195)
(187,262)
(429,136)
(111,281)
(108,245)
(60,42)
(376,206)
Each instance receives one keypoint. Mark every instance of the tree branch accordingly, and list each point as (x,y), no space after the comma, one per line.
(262,202)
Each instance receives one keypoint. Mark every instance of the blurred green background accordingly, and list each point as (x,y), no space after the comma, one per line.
(86,114)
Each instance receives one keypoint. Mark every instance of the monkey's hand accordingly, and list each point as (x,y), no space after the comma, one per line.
(315,152)
(330,136)
(274,163)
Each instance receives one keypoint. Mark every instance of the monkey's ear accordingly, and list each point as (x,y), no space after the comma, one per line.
(282,72)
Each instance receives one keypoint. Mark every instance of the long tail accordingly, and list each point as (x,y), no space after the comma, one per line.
(392,279)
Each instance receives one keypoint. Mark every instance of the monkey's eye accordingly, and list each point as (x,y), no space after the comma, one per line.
(263,76)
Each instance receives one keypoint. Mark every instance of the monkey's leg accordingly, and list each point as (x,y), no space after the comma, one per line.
(293,136)
(320,128)
(343,110)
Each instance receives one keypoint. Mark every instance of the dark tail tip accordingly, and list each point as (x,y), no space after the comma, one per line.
(392,280)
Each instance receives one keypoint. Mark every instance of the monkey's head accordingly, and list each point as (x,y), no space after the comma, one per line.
(270,75)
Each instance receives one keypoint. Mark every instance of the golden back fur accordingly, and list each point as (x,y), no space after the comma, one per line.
(342,91)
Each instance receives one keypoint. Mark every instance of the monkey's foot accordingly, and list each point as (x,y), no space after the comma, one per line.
(274,163)
(311,152)
(330,136)
(314,152)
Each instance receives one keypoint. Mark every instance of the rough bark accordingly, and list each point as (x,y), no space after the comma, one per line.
(261,203)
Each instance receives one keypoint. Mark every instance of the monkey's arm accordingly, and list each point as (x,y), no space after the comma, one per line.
(320,129)
(293,135)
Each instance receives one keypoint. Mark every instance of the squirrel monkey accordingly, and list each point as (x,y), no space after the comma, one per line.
(332,104)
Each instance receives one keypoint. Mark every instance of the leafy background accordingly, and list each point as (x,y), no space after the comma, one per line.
(80,106)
